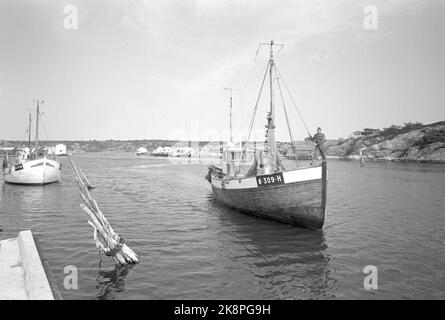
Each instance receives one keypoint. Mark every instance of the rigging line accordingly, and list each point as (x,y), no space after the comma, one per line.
(44,128)
(292,99)
(27,129)
(249,78)
(249,69)
(281,47)
(253,119)
(287,119)
(256,103)
(252,74)
(242,97)
(25,135)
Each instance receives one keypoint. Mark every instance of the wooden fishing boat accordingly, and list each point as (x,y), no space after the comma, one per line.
(267,189)
(31,168)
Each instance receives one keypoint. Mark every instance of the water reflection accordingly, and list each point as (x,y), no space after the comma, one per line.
(111,282)
(286,262)
(22,197)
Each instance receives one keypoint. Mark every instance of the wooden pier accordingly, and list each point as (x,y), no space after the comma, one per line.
(22,272)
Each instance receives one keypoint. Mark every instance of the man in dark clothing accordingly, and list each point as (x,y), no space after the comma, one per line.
(319,139)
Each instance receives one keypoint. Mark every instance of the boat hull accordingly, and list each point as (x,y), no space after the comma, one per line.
(34,172)
(301,200)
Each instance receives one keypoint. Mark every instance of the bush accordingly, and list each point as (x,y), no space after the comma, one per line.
(391,131)
(431,137)
(408,126)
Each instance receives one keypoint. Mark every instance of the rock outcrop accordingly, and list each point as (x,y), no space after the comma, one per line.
(425,144)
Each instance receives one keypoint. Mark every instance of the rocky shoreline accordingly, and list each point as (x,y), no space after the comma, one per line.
(412,143)
(409,143)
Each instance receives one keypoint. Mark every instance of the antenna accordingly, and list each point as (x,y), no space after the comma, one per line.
(231,92)
(271,44)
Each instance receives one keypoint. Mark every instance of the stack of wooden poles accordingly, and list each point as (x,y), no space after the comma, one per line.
(108,241)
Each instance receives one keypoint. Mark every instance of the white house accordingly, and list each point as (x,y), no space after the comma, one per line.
(141,151)
(58,150)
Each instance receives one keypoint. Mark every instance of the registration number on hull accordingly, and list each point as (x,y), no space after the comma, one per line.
(266,180)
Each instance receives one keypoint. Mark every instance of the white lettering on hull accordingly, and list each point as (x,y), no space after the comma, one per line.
(298,175)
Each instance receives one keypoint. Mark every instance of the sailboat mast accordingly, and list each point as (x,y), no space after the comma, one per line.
(271,117)
(29,131)
(231,137)
(37,130)
(231,114)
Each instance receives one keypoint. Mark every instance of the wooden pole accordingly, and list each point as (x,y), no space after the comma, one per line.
(108,241)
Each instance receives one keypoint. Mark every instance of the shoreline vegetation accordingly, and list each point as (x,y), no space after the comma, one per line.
(411,142)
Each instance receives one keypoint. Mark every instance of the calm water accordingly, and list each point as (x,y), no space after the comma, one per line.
(388,215)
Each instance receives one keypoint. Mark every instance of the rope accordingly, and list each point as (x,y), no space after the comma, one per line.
(242,97)
(292,99)
(44,128)
(256,104)
(252,121)
(249,68)
(287,119)
(253,118)
(252,75)
(46,133)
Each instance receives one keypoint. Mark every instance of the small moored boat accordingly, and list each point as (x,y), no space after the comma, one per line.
(31,167)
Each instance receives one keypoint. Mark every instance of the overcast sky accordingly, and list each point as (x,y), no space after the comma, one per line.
(157,69)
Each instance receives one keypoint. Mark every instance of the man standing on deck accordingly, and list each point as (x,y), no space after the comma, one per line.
(319,139)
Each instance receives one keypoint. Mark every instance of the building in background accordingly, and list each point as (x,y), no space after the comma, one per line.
(58,150)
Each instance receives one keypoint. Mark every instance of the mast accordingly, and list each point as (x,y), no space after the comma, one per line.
(271,117)
(29,131)
(37,130)
(231,114)
(272,147)
(231,137)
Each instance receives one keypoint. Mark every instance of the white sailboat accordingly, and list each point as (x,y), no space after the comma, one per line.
(34,167)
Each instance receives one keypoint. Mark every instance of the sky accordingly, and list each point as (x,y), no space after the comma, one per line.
(157,69)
